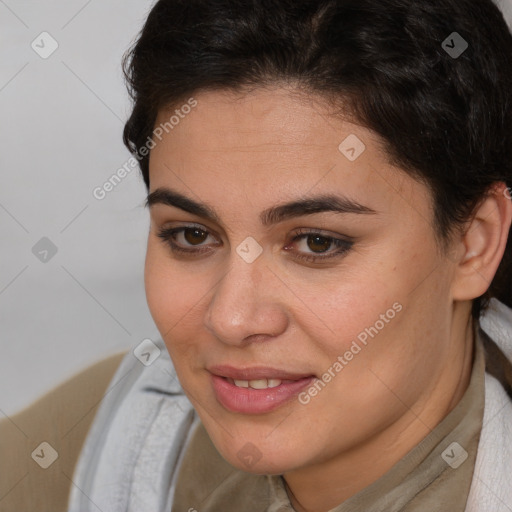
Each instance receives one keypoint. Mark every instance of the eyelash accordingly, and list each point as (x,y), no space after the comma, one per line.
(342,245)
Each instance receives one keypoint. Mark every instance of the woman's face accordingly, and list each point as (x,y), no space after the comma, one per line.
(311,270)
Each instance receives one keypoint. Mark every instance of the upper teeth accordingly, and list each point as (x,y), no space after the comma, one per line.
(258,383)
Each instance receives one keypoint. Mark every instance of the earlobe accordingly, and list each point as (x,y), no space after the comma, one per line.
(484,240)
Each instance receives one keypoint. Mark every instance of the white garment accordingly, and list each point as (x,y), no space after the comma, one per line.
(131,456)
(491,487)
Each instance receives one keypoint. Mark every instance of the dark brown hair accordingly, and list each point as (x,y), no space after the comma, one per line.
(446,118)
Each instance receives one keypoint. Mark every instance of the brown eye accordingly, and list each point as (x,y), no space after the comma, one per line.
(194,235)
(319,243)
(314,247)
(187,240)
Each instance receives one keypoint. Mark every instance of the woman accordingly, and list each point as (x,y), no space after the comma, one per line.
(330,216)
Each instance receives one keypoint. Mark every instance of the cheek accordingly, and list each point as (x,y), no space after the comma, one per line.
(379,313)
(356,303)
(173,299)
(156,286)
(363,326)
(171,293)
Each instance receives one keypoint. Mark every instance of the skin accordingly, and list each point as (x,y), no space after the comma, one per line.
(243,153)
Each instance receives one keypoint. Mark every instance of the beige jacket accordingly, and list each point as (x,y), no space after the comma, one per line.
(61,418)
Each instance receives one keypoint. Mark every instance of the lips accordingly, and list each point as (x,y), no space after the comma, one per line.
(256,373)
(256,390)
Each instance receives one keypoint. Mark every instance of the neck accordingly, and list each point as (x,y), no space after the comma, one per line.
(321,487)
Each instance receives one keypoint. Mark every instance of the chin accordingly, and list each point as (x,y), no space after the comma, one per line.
(255,451)
(246,460)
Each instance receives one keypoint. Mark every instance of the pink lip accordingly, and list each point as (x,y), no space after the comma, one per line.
(255,401)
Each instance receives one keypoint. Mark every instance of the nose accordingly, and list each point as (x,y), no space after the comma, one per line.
(247,304)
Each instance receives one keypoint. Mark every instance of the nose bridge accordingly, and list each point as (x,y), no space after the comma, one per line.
(243,304)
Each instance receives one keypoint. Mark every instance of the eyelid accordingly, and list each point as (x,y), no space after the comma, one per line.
(343,243)
(166,234)
(321,232)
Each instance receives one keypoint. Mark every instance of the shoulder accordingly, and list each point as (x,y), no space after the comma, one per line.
(40,445)
(137,436)
(496,332)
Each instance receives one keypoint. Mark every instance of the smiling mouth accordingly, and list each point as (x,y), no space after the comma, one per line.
(261,394)
(258,383)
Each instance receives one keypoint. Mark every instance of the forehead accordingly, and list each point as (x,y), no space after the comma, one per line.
(266,119)
(275,144)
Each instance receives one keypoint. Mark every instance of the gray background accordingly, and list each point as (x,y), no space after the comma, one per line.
(60,133)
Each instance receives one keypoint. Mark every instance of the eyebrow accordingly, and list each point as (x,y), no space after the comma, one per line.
(273,215)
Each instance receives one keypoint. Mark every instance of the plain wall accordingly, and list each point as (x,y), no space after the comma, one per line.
(60,132)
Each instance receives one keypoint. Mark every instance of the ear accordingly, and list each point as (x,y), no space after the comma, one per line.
(482,245)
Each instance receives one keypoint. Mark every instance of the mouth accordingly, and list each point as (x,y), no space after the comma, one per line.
(258,383)
(255,373)
(256,390)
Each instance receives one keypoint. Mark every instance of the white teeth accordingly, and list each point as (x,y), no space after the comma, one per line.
(258,383)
